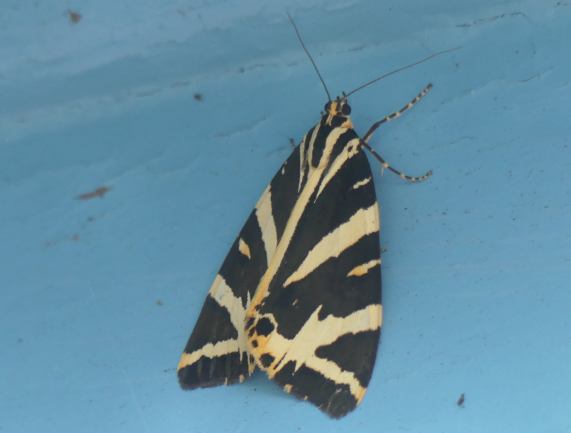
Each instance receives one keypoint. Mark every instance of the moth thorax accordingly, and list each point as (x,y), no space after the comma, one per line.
(337,113)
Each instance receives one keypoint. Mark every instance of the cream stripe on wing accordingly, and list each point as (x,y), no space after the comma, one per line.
(311,145)
(315,333)
(299,207)
(362,223)
(351,149)
(209,350)
(362,183)
(333,372)
(302,147)
(266,222)
(224,296)
(221,292)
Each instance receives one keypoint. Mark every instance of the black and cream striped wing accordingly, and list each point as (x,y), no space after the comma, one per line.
(314,322)
(216,352)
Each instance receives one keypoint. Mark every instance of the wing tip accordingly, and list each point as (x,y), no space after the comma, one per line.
(333,398)
(189,385)
(210,372)
(337,406)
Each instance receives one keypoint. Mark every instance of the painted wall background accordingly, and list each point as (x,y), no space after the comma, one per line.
(100,295)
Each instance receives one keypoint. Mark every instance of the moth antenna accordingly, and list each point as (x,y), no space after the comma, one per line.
(418,62)
(309,55)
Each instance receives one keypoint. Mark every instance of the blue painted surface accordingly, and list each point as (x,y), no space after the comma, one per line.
(99,296)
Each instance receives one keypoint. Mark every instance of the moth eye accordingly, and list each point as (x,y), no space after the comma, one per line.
(346,110)
(326,106)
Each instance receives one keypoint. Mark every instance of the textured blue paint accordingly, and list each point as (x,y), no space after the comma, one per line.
(477,268)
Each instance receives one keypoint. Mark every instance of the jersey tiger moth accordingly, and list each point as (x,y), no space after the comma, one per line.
(299,293)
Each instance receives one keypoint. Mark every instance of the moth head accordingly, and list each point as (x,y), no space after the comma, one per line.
(338,111)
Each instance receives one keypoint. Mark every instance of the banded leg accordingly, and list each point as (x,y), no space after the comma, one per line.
(386,165)
(396,114)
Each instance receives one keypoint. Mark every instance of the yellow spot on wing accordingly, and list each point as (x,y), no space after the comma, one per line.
(244,248)
(361,270)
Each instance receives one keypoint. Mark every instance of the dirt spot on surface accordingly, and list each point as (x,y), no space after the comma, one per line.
(99,192)
(74,17)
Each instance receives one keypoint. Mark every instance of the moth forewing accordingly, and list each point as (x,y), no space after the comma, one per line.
(319,299)
(299,293)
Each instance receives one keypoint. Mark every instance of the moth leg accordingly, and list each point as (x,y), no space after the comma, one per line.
(386,165)
(396,114)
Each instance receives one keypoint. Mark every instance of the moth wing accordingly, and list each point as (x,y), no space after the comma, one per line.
(216,352)
(317,329)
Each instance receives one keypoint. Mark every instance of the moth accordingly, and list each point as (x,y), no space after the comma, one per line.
(299,294)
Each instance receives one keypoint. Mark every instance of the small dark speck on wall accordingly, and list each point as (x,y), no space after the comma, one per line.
(74,17)
(99,192)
